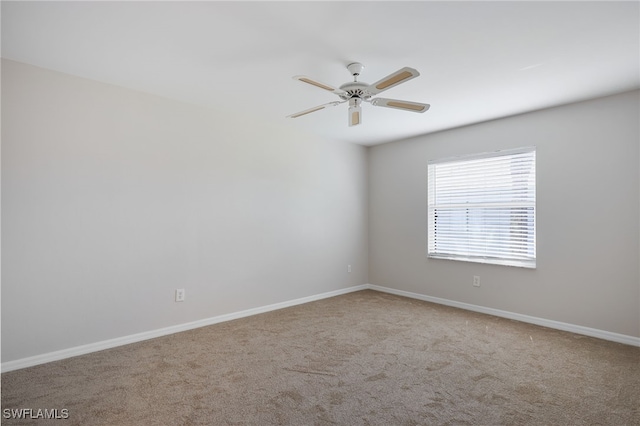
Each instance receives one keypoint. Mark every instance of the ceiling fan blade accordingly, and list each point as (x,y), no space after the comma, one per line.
(314,109)
(355,115)
(309,80)
(402,75)
(398,104)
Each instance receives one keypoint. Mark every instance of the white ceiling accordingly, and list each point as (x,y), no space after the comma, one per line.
(478,60)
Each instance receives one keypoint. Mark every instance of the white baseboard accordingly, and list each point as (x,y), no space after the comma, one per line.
(133,338)
(578,329)
(107,344)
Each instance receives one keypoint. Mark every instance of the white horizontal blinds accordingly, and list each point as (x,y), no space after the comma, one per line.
(483,208)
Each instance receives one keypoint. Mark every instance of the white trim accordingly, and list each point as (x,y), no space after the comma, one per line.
(139,337)
(478,156)
(133,338)
(578,329)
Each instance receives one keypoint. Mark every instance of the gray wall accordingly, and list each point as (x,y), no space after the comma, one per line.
(588,216)
(112,199)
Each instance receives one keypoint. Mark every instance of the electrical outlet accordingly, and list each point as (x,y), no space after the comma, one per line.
(476,281)
(348,268)
(180,295)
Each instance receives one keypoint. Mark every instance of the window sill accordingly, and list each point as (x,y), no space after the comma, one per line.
(528,264)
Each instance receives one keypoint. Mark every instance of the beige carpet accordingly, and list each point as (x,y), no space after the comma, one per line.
(365,358)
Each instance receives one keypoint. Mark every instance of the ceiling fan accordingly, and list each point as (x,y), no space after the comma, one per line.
(357,92)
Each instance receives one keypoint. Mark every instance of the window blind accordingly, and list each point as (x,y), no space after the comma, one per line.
(483,208)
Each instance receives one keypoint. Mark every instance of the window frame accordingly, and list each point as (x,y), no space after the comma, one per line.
(528,262)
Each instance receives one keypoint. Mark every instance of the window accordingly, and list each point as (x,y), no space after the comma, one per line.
(482,208)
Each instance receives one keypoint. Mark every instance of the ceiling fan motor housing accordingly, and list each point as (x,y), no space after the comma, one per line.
(356,89)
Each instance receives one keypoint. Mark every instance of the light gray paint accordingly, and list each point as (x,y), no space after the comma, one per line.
(112,199)
(587,216)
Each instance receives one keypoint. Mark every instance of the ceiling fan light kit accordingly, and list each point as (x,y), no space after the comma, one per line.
(355,111)
(356,92)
